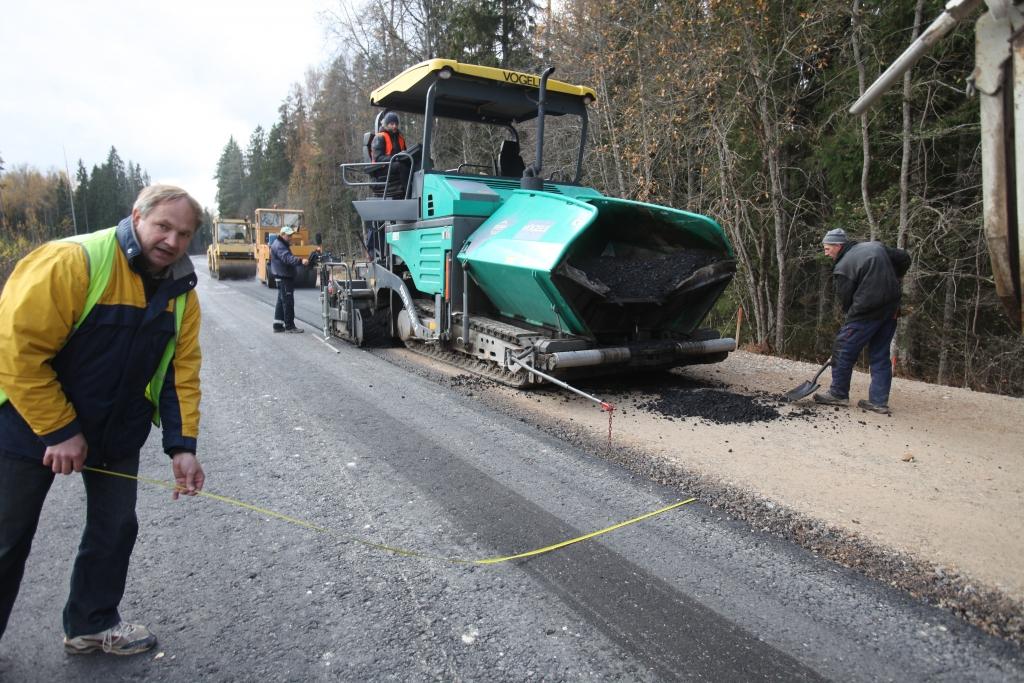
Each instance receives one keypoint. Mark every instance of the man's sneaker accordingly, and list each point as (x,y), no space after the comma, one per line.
(294,330)
(873,407)
(123,639)
(278,327)
(828,399)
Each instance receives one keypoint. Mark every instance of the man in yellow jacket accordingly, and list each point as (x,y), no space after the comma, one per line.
(99,337)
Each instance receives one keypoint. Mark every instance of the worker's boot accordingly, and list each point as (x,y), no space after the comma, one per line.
(874,407)
(828,399)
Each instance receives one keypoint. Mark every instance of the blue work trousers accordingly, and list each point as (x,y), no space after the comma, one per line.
(101,567)
(851,340)
(284,312)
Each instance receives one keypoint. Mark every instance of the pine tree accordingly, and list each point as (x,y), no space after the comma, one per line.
(255,171)
(230,178)
(82,197)
(278,166)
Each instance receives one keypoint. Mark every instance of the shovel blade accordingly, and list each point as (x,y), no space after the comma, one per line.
(805,389)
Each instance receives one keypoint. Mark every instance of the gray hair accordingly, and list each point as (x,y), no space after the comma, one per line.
(158,194)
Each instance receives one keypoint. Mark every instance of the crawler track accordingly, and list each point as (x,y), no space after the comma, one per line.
(519,380)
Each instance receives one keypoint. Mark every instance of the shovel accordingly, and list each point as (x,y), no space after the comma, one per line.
(807,388)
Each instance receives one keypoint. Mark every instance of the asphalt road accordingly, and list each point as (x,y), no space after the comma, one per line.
(342,439)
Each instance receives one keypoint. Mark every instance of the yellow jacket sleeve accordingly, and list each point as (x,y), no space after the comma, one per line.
(40,303)
(179,402)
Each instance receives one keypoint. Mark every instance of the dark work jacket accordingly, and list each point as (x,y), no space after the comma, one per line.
(866,282)
(282,260)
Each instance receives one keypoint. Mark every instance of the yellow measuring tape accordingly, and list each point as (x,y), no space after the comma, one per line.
(387,548)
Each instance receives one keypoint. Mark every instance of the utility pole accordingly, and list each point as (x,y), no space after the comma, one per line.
(3,218)
(547,34)
(71,195)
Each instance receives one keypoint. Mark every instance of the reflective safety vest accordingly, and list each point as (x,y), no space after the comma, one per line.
(389,146)
(101,249)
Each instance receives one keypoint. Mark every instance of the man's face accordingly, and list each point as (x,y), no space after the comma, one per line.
(164,234)
(832,250)
(392,126)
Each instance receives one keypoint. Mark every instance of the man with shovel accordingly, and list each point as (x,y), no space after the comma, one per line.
(866,277)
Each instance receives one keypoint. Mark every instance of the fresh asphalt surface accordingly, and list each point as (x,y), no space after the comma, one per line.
(339,438)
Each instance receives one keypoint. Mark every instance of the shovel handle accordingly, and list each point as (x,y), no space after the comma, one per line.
(823,368)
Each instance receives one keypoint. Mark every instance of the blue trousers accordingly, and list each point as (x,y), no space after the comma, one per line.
(851,340)
(284,311)
(101,567)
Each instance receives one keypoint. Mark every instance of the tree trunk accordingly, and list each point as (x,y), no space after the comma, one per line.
(865,142)
(947,324)
(691,180)
(902,344)
(616,155)
(823,327)
(731,202)
(772,153)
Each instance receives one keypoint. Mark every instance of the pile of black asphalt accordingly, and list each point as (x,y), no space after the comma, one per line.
(645,277)
(677,397)
(713,405)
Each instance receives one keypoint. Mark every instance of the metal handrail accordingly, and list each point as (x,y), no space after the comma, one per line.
(370,166)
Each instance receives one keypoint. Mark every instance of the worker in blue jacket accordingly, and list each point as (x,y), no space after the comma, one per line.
(282,266)
(99,337)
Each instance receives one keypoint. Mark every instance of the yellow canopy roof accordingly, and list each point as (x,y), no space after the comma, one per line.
(478,93)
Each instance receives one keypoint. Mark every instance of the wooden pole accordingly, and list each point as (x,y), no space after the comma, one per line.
(739,323)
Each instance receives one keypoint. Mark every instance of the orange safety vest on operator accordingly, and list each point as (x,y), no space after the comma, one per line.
(389,146)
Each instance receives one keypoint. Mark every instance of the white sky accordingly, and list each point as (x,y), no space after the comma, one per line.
(164,83)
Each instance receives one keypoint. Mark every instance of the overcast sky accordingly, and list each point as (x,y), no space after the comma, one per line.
(164,83)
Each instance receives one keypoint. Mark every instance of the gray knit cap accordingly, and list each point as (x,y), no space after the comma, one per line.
(835,236)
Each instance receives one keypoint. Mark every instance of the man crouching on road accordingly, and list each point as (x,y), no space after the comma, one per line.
(99,335)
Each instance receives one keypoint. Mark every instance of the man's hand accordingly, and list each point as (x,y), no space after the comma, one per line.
(305,261)
(67,456)
(188,474)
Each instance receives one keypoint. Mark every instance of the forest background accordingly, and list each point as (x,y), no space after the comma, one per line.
(730,108)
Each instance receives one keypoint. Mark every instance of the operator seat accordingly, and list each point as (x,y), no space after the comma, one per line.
(367,143)
(510,163)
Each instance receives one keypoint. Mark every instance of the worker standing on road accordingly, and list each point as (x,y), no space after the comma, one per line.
(867,281)
(282,267)
(99,335)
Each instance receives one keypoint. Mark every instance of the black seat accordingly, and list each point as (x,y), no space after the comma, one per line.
(510,163)
(367,144)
